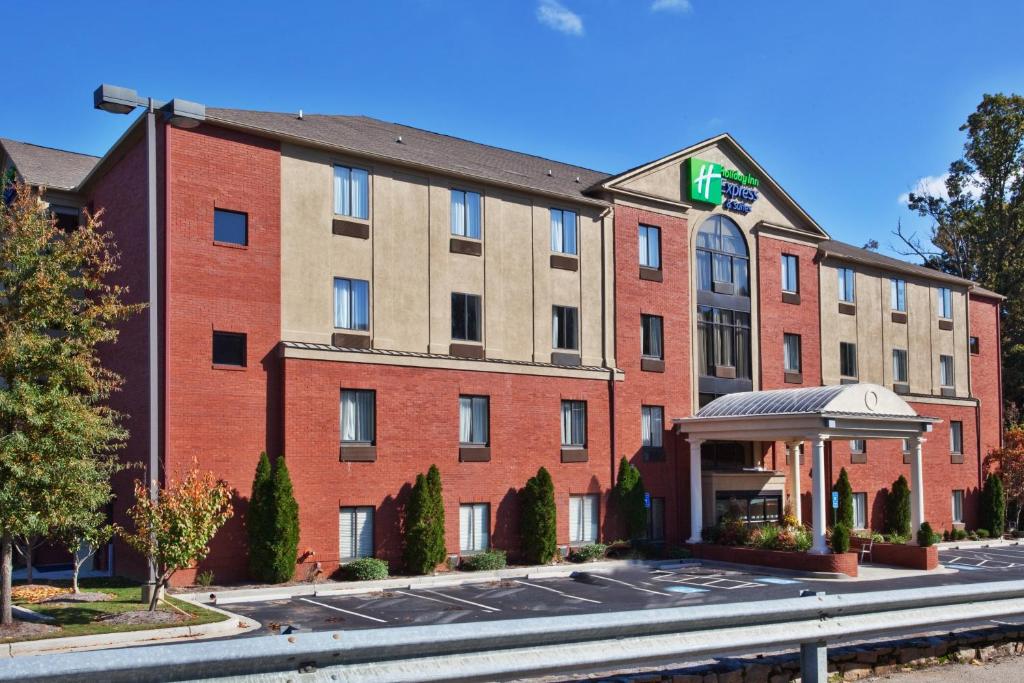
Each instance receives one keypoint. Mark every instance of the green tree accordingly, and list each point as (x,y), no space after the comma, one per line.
(845,514)
(259,521)
(978,225)
(57,309)
(897,508)
(82,525)
(436,550)
(424,524)
(993,506)
(629,497)
(538,525)
(284,525)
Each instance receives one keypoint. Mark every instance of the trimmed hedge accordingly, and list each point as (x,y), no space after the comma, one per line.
(538,524)
(897,508)
(925,535)
(588,553)
(365,569)
(485,561)
(845,492)
(629,498)
(840,538)
(993,506)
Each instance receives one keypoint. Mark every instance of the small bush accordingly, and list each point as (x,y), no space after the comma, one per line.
(485,561)
(840,539)
(538,523)
(993,506)
(897,508)
(772,537)
(365,569)
(588,553)
(675,552)
(982,533)
(896,539)
(204,578)
(925,535)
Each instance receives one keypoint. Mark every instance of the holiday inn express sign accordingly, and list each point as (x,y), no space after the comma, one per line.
(709,182)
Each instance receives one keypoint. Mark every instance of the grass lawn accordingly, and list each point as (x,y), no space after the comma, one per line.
(80,619)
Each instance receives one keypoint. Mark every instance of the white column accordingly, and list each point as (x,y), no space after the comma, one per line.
(793,449)
(696,492)
(916,487)
(819,496)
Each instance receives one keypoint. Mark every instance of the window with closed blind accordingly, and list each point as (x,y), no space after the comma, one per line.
(355,525)
(474,527)
(656,520)
(860,511)
(583,519)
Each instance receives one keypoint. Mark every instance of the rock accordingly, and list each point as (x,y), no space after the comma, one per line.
(867,656)
(731,676)
(688,678)
(780,678)
(757,673)
(986,653)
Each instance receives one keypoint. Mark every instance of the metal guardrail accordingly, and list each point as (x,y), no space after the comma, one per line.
(537,646)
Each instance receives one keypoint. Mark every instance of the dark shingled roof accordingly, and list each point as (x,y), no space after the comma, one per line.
(55,168)
(362,135)
(848,252)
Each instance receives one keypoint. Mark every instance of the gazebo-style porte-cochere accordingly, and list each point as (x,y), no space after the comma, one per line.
(813,415)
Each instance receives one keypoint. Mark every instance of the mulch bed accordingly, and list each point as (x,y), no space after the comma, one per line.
(142,617)
(80,597)
(21,630)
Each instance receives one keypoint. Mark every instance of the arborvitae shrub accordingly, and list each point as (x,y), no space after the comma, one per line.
(258,522)
(538,525)
(897,508)
(845,499)
(285,524)
(629,498)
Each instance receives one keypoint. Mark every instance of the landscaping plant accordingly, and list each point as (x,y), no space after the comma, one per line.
(897,509)
(1008,464)
(272,522)
(365,569)
(993,506)
(629,499)
(424,524)
(845,491)
(588,553)
(538,525)
(925,535)
(258,522)
(485,561)
(840,539)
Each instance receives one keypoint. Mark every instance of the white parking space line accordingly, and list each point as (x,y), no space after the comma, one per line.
(545,588)
(626,583)
(468,602)
(423,597)
(338,609)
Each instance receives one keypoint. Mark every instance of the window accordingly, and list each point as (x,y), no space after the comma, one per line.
(474,415)
(474,526)
(357,416)
(899,365)
(958,506)
(858,446)
(847,359)
(651,426)
(351,304)
(791,352)
(906,446)
(466,214)
(860,511)
(356,532)
(846,287)
(749,507)
(465,317)
(650,246)
(574,424)
(898,295)
(67,218)
(230,227)
(229,348)
(656,520)
(945,302)
(563,231)
(722,264)
(790,279)
(724,340)
(351,192)
(974,345)
(956,437)
(946,371)
(650,336)
(583,519)
(563,327)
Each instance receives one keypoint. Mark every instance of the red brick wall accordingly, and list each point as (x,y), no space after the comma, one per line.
(221,419)
(670,389)
(986,380)
(418,425)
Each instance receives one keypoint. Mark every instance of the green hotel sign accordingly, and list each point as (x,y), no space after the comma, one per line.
(710,181)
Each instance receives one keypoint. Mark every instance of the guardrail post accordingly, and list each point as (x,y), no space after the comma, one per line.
(814,662)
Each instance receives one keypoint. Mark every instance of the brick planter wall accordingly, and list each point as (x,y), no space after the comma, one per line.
(909,556)
(843,563)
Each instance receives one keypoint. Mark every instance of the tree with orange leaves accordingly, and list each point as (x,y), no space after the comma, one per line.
(1008,463)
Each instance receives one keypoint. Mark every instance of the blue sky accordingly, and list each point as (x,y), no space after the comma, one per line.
(847,105)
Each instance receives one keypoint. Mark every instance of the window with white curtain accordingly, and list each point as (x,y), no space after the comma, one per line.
(355,527)
(351,192)
(473,418)
(652,425)
(858,446)
(357,416)
(958,506)
(650,336)
(465,211)
(563,231)
(898,294)
(583,518)
(574,424)
(899,365)
(944,301)
(791,352)
(790,270)
(650,246)
(946,371)
(564,321)
(351,304)
(474,527)
(860,511)
(847,291)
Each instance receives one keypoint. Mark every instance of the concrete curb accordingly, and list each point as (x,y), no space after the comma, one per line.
(455,578)
(967,545)
(232,625)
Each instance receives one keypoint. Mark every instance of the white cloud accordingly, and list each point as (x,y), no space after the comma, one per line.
(553,14)
(681,6)
(935,186)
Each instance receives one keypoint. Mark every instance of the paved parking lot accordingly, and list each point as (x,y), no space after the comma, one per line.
(984,559)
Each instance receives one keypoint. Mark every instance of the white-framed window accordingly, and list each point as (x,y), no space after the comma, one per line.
(956,436)
(858,446)
(905,446)
(465,210)
(790,273)
(357,416)
(944,302)
(899,365)
(563,231)
(652,424)
(565,327)
(656,520)
(351,192)
(574,424)
(946,372)
(958,506)
(355,531)
(474,414)
(847,359)
(650,336)
(351,304)
(466,317)
(650,246)
(791,352)
(898,294)
(583,518)
(860,511)
(474,527)
(847,290)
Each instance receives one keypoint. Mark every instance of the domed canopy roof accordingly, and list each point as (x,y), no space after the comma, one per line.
(842,399)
